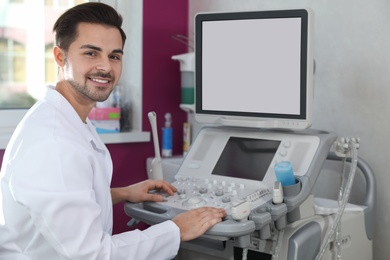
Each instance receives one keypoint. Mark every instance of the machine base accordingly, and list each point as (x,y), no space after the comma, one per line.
(298,241)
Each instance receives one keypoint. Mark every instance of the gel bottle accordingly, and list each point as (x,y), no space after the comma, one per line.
(167,136)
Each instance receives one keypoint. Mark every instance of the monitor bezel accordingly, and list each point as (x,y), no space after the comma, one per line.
(251,119)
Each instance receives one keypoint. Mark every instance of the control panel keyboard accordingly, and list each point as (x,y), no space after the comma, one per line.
(196,192)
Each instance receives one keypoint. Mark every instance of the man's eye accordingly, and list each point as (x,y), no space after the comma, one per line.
(90,53)
(115,57)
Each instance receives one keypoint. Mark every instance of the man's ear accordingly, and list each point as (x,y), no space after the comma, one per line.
(59,56)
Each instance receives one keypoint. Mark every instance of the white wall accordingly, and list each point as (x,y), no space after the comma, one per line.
(352,80)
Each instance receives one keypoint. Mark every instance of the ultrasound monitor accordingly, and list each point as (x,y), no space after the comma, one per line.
(254,69)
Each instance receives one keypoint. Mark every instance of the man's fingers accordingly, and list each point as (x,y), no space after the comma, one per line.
(165,186)
(196,222)
(212,216)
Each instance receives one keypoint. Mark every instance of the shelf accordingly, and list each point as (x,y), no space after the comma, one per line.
(129,137)
(188,108)
(117,138)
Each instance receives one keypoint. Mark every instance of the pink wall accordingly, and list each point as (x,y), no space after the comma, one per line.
(161,93)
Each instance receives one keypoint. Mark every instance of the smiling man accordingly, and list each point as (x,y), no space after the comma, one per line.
(55,196)
(90,66)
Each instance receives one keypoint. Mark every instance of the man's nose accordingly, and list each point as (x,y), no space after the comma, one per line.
(104,65)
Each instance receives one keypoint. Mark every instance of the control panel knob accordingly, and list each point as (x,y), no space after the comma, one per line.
(181,191)
(194,202)
(219,192)
(283,153)
(202,190)
(287,144)
(226,199)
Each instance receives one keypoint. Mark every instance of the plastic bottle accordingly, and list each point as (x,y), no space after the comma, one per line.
(167,136)
(186,138)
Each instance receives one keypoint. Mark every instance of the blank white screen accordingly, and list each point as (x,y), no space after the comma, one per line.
(252,65)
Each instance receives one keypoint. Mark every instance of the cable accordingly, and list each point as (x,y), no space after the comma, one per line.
(244,253)
(277,245)
(347,147)
(340,201)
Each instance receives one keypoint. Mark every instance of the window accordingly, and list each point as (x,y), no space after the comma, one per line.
(50,65)
(13,93)
(12,55)
(25,45)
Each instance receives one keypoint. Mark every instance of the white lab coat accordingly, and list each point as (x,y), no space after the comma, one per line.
(55,184)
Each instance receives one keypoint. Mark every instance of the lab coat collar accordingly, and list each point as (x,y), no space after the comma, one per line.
(62,104)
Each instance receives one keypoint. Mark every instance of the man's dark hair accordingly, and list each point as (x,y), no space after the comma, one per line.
(65,27)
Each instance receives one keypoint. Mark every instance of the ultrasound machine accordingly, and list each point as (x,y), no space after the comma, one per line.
(253,95)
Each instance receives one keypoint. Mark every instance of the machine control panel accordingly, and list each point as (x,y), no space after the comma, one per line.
(226,168)
(234,169)
(196,192)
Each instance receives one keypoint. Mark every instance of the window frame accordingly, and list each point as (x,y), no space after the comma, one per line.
(132,25)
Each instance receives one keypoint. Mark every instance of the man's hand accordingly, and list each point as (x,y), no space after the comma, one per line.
(139,192)
(196,222)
